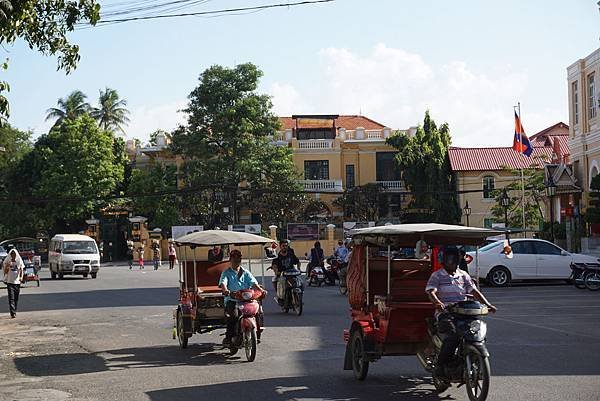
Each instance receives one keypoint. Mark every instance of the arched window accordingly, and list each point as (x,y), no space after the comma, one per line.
(488,186)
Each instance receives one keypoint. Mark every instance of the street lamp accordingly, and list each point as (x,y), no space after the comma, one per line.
(467,212)
(505,202)
(550,192)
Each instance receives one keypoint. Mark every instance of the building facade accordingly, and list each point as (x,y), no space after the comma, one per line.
(584,119)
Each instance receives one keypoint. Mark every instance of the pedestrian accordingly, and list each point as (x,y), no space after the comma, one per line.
(215,254)
(130,251)
(13,269)
(156,254)
(141,256)
(172,255)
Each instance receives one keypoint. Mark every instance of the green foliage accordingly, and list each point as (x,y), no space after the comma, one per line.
(112,113)
(533,178)
(362,202)
(44,25)
(4,87)
(162,211)
(593,211)
(71,107)
(424,162)
(225,142)
(74,160)
(154,136)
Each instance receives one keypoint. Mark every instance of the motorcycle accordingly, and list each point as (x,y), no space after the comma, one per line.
(250,322)
(291,291)
(316,276)
(470,364)
(578,272)
(586,275)
(337,271)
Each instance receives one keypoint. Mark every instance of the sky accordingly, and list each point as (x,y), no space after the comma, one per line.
(467,61)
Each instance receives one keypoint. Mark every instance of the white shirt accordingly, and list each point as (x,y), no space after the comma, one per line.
(14,273)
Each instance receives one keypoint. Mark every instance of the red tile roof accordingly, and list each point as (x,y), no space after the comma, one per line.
(349,122)
(486,159)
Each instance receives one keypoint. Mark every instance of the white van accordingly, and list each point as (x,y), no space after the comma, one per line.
(73,254)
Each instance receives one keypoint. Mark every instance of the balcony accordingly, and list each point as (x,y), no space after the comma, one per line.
(315,144)
(322,185)
(391,186)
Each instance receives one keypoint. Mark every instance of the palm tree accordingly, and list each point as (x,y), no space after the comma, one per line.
(112,114)
(71,107)
(5,9)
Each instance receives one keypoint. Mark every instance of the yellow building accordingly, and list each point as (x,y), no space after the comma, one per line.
(334,153)
(480,171)
(584,118)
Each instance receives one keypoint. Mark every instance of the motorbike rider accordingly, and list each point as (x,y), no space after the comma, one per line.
(317,258)
(285,260)
(447,286)
(235,278)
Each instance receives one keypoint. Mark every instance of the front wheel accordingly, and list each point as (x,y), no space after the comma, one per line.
(250,344)
(579,279)
(360,364)
(499,277)
(298,304)
(477,376)
(592,281)
(183,339)
(94,275)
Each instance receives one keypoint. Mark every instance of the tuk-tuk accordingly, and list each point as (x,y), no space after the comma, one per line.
(201,307)
(390,309)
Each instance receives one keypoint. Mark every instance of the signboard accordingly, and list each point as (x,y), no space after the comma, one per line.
(246,228)
(180,231)
(309,231)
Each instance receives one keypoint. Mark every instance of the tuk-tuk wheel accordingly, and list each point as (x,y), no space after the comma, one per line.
(360,364)
(183,339)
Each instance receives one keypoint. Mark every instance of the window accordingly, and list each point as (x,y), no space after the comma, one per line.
(387,170)
(316,169)
(491,246)
(315,133)
(488,187)
(575,101)
(350,182)
(591,96)
(545,248)
(523,248)
(488,223)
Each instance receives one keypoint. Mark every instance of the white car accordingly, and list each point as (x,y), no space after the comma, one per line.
(531,259)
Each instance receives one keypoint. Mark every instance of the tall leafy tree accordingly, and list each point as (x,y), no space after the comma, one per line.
(362,202)
(424,162)
(162,211)
(71,107)
(111,112)
(44,26)
(224,140)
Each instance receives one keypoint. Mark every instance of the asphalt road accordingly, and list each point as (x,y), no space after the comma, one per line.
(110,339)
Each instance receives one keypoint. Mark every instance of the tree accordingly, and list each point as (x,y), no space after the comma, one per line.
(425,166)
(362,203)
(111,113)
(162,211)
(71,107)
(74,160)
(154,136)
(224,141)
(533,177)
(44,25)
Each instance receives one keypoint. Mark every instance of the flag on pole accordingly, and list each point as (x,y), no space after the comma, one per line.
(521,142)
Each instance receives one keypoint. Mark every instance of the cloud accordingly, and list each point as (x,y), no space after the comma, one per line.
(395,87)
(145,120)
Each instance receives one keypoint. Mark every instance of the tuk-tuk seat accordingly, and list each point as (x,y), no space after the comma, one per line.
(210,289)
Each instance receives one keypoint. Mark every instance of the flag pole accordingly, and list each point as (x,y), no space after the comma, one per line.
(522,179)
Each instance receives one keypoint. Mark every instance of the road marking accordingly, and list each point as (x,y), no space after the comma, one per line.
(537,326)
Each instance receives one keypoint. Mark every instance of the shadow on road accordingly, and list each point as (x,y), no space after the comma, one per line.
(306,388)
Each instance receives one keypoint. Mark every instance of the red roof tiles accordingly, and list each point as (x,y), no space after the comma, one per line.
(349,122)
(486,159)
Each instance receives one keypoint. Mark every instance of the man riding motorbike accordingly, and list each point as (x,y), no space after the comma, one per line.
(447,286)
(235,278)
(285,260)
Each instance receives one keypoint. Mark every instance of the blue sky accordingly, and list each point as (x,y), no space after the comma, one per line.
(467,61)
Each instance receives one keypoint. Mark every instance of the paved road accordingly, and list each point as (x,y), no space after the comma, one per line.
(110,339)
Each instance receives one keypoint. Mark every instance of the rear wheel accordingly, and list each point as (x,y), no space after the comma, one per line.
(52,275)
(61,276)
(477,376)
(250,344)
(94,275)
(499,277)
(360,364)
(85,275)
(183,339)
(579,279)
(592,281)
(298,304)
(343,290)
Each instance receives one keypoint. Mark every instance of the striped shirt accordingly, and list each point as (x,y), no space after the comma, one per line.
(450,288)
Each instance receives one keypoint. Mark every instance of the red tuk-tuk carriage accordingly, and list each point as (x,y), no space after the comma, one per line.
(390,308)
(201,307)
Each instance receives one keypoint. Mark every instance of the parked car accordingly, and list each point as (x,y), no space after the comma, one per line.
(3,253)
(532,259)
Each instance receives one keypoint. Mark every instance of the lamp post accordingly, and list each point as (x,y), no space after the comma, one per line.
(550,192)
(505,202)
(467,212)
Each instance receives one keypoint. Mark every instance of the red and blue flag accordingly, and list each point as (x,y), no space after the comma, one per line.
(521,142)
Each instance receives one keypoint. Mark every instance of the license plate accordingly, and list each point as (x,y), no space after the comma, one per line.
(320,276)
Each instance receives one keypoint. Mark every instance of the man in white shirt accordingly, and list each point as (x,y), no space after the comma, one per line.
(13,269)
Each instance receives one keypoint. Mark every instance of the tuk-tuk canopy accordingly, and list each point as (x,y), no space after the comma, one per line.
(221,237)
(406,235)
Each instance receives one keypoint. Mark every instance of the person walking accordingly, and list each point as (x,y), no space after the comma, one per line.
(141,257)
(156,254)
(130,251)
(172,255)
(13,269)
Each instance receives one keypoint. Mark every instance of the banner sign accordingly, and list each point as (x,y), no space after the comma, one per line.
(246,228)
(180,231)
(309,231)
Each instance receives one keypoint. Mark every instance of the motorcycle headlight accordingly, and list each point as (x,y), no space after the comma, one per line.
(246,295)
(479,328)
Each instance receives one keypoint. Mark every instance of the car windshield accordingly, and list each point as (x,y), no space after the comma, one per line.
(2,250)
(490,246)
(79,247)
